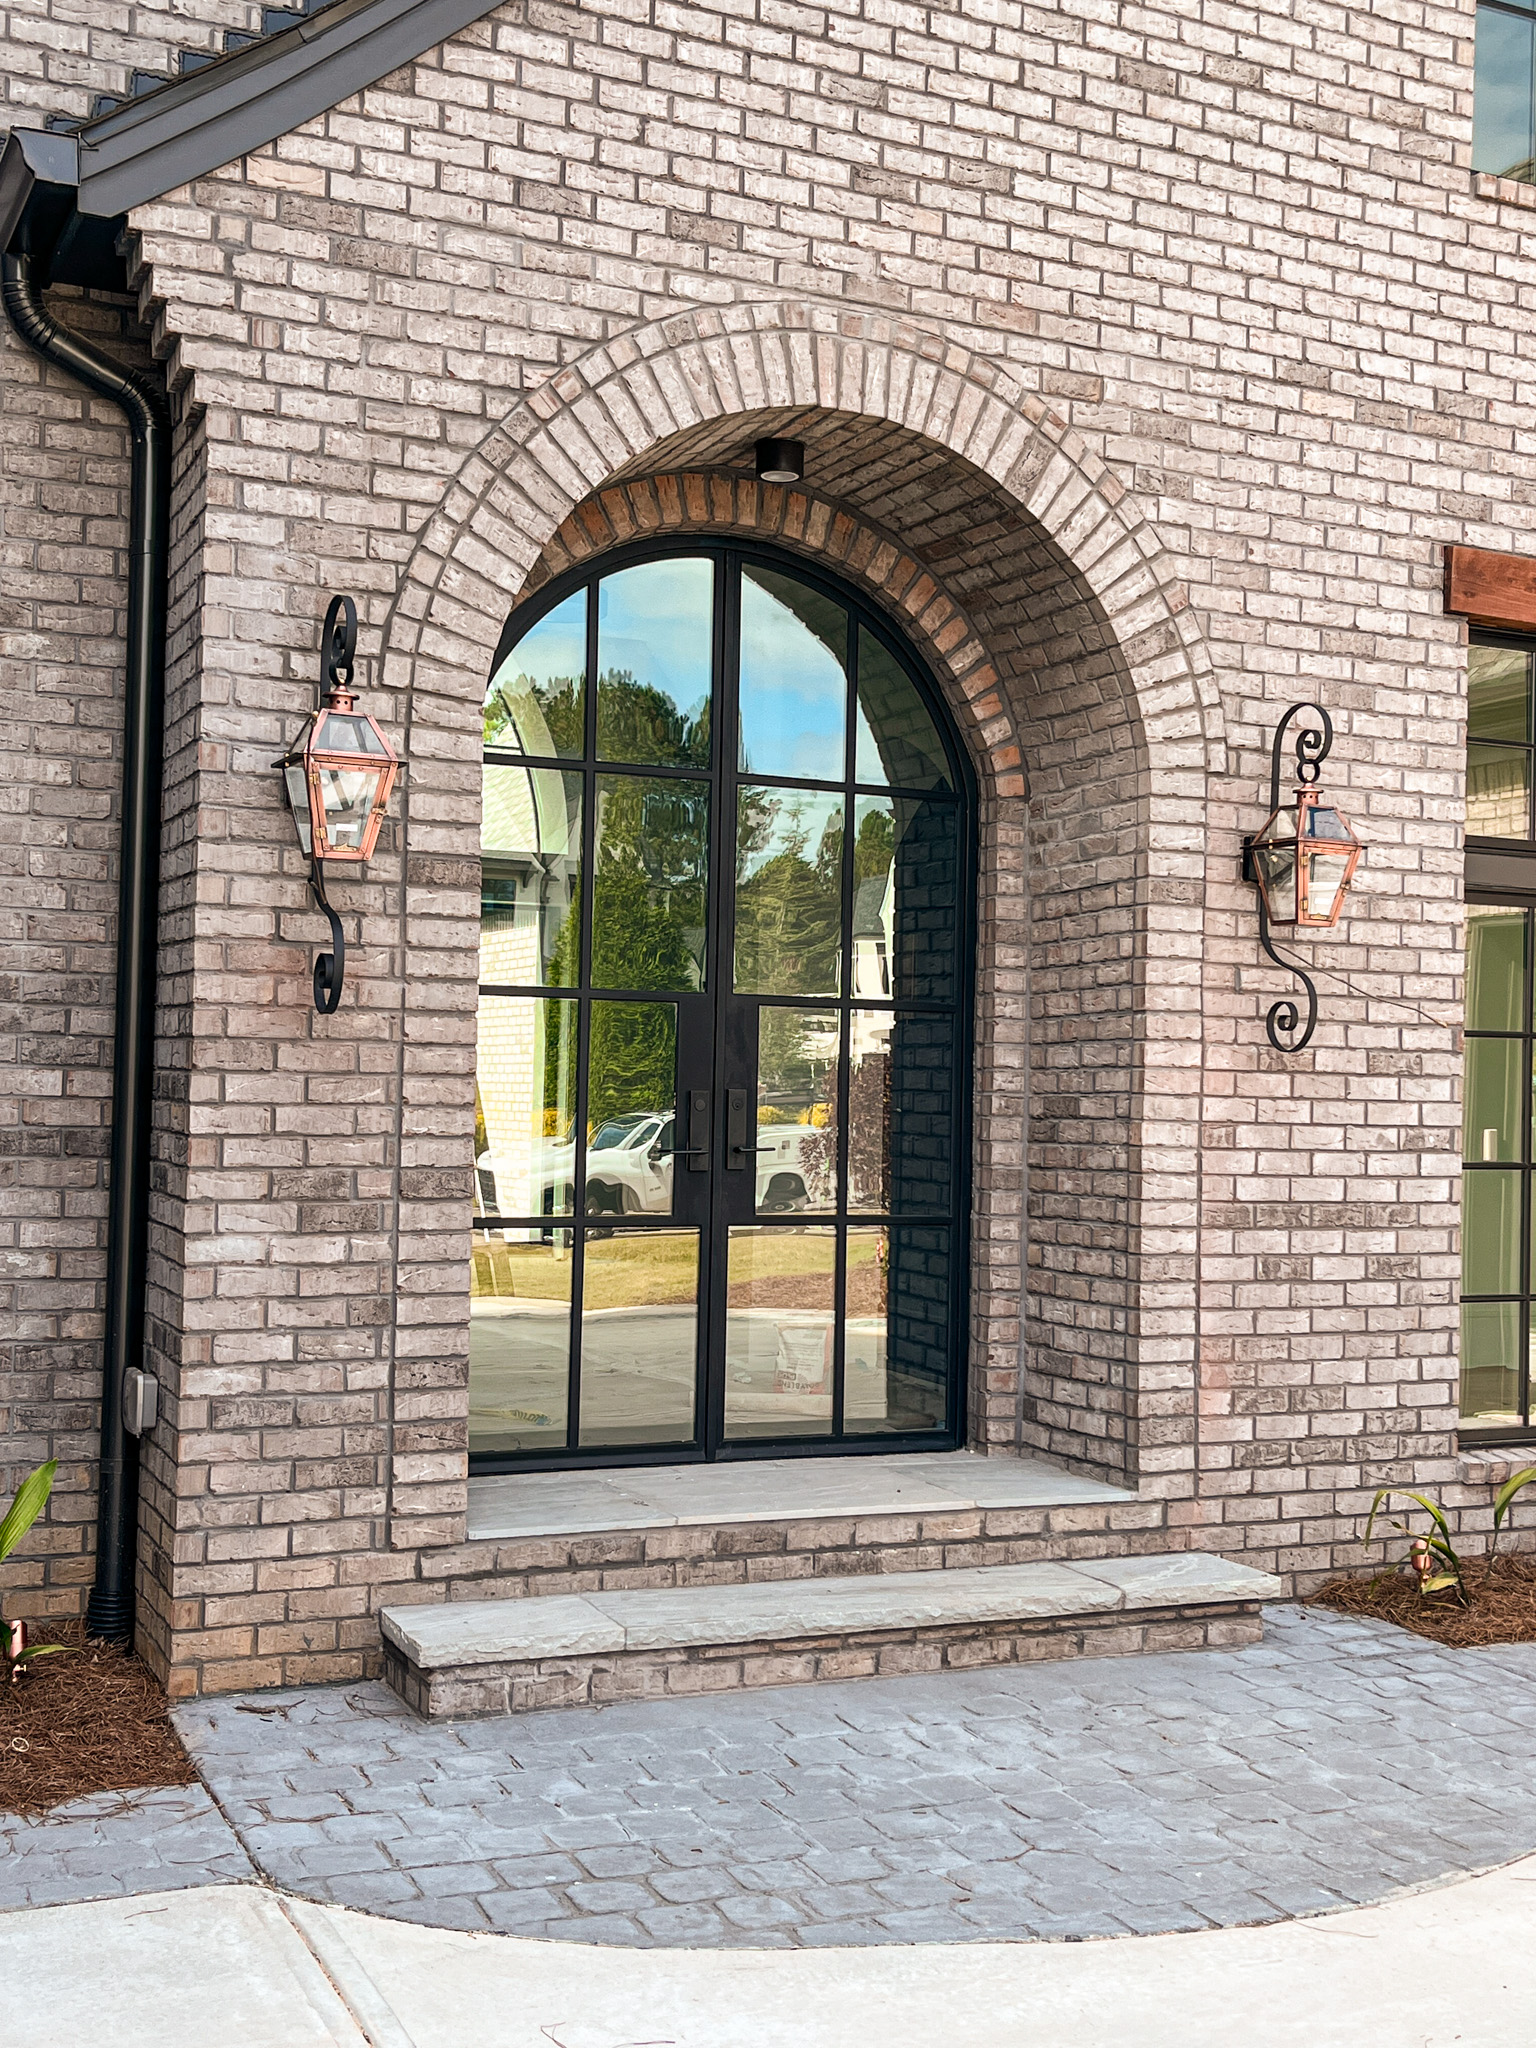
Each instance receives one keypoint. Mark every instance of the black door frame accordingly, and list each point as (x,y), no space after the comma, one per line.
(718,1208)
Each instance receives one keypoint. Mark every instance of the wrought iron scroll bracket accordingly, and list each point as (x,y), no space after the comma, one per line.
(338,642)
(1312,749)
(1284,1026)
(331,967)
(1286,1031)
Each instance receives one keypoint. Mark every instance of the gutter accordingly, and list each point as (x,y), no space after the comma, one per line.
(43,241)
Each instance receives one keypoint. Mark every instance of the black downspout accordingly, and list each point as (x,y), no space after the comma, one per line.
(110,1612)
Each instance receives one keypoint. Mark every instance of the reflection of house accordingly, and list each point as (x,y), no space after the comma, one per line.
(872,905)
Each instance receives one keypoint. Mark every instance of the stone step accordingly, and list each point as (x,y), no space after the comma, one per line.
(556,1533)
(515,1655)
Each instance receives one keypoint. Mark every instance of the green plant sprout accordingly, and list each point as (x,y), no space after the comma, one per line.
(31,1499)
(1504,1500)
(1432,1557)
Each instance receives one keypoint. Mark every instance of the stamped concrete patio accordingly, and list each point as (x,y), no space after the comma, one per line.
(1336,1762)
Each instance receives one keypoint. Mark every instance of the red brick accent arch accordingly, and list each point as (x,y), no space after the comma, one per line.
(1117,1283)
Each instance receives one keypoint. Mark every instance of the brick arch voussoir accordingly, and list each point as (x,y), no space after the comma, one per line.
(558,449)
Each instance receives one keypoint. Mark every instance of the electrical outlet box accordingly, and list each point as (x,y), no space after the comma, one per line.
(141,1401)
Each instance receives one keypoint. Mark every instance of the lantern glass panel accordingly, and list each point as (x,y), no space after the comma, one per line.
(298,802)
(350,733)
(1326,875)
(1274,859)
(347,793)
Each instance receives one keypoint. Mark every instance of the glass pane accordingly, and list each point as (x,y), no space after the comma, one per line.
(1490,1232)
(789,889)
(519,1339)
(1325,874)
(639,1336)
(1499,693)
(796,1110)
(907,903)
(649,900)
(525,1106)
(1491,1336)
(346,795)
(1498,792)
(900,1113)
(780,1310)
(631,1094)
(794,685)
(655,657)
(897,743)
(530,862)
(1494,1096)
(349,735)
(1496,941)
(895,1378)
(535,702)
(1501,94)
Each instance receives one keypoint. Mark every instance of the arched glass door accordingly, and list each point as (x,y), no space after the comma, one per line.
(722,1065)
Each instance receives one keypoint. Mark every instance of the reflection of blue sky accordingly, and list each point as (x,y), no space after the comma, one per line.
(656,621)
(806,815)
(553,651)
(793,692)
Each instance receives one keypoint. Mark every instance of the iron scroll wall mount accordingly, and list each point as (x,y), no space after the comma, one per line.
(1284,1026)
(338,641)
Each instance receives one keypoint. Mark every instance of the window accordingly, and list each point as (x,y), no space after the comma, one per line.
(1504,90)
(1498,1285)
(722,1048)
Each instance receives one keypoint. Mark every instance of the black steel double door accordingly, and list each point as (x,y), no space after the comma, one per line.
(721,1056)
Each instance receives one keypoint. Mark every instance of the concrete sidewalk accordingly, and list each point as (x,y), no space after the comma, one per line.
(236,1966)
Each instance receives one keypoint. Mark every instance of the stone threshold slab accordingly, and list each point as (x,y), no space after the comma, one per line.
(467,1633)
(515,1506)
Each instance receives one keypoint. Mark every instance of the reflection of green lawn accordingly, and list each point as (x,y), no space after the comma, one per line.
(653,1268)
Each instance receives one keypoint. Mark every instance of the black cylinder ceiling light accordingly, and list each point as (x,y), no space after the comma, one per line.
(780,462)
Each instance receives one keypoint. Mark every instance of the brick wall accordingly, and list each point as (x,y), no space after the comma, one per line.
(1172,351)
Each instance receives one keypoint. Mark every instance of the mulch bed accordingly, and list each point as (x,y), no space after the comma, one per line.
(89,1720)
(1502,1610)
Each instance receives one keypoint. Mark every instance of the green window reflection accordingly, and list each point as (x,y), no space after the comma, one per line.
(530,864)
(536,701)
(897,742)
(650,897)
(1494,1094)
(1490,1222)
(1496,945)
(525,1106)
(631,1096)
(789,887)
(655,654)
(519,1340)
(794,685)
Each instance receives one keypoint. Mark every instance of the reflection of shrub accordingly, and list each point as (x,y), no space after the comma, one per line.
(767,1115)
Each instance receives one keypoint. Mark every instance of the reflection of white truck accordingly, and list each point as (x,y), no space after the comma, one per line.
(629,1171)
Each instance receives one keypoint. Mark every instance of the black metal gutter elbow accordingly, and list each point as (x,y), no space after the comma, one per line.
(111,1609)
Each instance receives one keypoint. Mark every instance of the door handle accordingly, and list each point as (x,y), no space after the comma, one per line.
(737,1128)
(696,1152)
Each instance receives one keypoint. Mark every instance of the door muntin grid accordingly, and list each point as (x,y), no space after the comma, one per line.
(627,1252)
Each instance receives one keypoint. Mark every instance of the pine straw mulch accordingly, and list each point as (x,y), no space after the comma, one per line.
(89,1720)
(1503,1608)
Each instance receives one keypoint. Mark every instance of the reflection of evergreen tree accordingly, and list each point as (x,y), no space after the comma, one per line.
(638,722)
(875,847)
(649,893)
(788,909)
(559,703)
